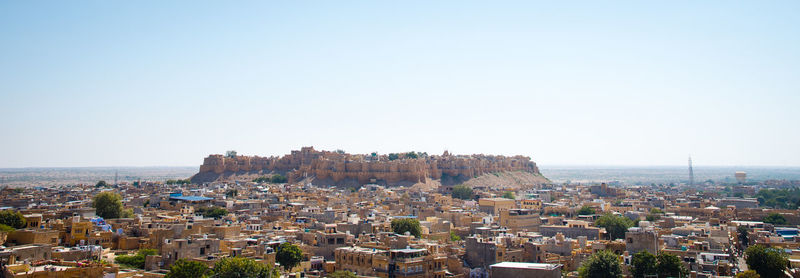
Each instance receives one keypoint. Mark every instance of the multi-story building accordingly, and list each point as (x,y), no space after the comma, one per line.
(517,220)
(495,205)
(407,262)
(573,229)
(641,239)
(528,270)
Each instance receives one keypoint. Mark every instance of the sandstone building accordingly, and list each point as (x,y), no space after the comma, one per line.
(341,168)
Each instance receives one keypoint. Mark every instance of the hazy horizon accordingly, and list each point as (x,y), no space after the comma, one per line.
(638,175)
(88,84)
(560,166)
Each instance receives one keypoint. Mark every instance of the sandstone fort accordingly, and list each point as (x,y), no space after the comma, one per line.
(338,168)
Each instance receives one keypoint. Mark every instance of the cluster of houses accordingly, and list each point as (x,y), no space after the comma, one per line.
(540,232)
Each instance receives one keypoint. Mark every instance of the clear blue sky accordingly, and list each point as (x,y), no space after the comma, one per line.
(133,83)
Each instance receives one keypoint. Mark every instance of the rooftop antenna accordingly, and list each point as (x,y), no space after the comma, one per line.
(691,172)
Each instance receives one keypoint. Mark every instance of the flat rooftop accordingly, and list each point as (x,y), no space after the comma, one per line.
(537,266)
(191,198)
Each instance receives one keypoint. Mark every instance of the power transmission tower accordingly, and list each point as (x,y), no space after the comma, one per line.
(691,172)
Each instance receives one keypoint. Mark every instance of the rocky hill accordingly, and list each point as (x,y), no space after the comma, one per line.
(339,168)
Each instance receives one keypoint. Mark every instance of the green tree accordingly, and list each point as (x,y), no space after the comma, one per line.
(767,262)
(670,266)
(101,184)
(13,219)
(238,267)
(187,269)
(275,178)
(616,225)
(656,211)
(212,212)
(289,255)
(411,155)
(603,264)
(170,181)
(278,178)
(643,264)
(108,205)
(775,218)
(135,261)
(652,217)
(509,195)
(748,274)
(462,192)
(743,232)
(454,236)
(230,154)
(231,193)
(403,225)
(6,228)
(126,213)
(586,210)
(342,274)
(779,198)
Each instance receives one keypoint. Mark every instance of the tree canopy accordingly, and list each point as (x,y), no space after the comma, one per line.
(212,212)
(775,218)
(289,255)
(231,193)
(137,260)
(670,266)
(603,264)
(767,262)
(230,154)
(643,263)
(462,192)
(779,198)
(616,225)
(108,205)
(743,233)
(13,219)
(187,269)
(748,274)
(454,236)
(408,155)
(275,178)
(101,184)
(403,225)
(586,210)
(171,181)
(509,195)
(239,267)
